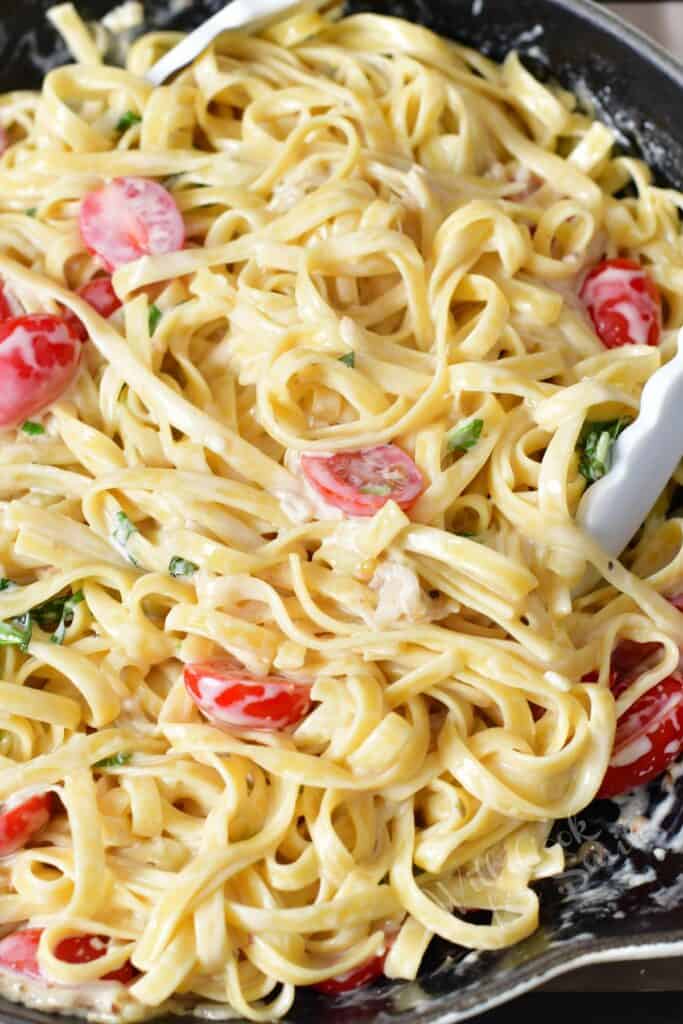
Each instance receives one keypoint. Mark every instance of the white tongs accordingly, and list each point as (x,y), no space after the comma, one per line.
(237,15)
(645,456)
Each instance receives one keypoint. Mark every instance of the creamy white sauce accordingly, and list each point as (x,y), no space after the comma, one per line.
(101,1001)
(302,503)
(399,595)
(647,832)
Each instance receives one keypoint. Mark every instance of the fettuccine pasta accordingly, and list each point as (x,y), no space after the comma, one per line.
(306,359)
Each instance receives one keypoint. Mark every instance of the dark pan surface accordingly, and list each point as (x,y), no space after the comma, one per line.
(621,896)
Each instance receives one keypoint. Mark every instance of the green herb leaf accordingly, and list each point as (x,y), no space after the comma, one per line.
(124,528)
(466,535)
(154,317)
(380,490)
(32,211)
(33,428)
(464,436)
(17,632)
(6,584)
(67,616)
(595,446)
(115,761)
(129,119)
(181,567)
(122,533)
(349,359)
(56,615)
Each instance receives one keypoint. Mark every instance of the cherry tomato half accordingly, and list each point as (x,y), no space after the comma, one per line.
(19,823)
(130,218)
(360,483)
(19,952)
(624,304)
(6,310)
(228,695)
(98,293)
(649,738)
(356,978)
(39,357)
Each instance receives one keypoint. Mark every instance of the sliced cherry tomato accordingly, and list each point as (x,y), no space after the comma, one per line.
(649,738)
(22,821)
(360,483)
(228,695)
(19,952)
(82,949)
(98,293)
(6,310)
(130,218)
(677,601)
(624,304)
(629,659)
(355,978)
(39,357)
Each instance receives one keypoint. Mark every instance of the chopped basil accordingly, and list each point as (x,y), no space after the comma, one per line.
(32,211)
(181,566)
(129,119)
(17,632)
(115,761)
(595,446)
(124,529)
(57,615)
(33,428)
(464,436)
(380,490)
(67,616)
(349,359)
(6,584)
(468,536)
(122,533)
(154,316)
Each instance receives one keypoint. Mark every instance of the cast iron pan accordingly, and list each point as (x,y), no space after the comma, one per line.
(621,896)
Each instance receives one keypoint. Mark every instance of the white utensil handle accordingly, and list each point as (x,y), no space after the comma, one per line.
(236,15)
(645,456)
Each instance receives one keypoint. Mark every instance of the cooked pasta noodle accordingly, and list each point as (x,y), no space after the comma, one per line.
(386,238)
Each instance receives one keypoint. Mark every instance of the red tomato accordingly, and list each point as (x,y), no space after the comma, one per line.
(39,357)
(360,483)
(677,601)
(627,661)
(228,695)
(22,821)
(98,293)
(649,738)
(624,304)
(19,952)
(130,218)
(355,978)
(5,308)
